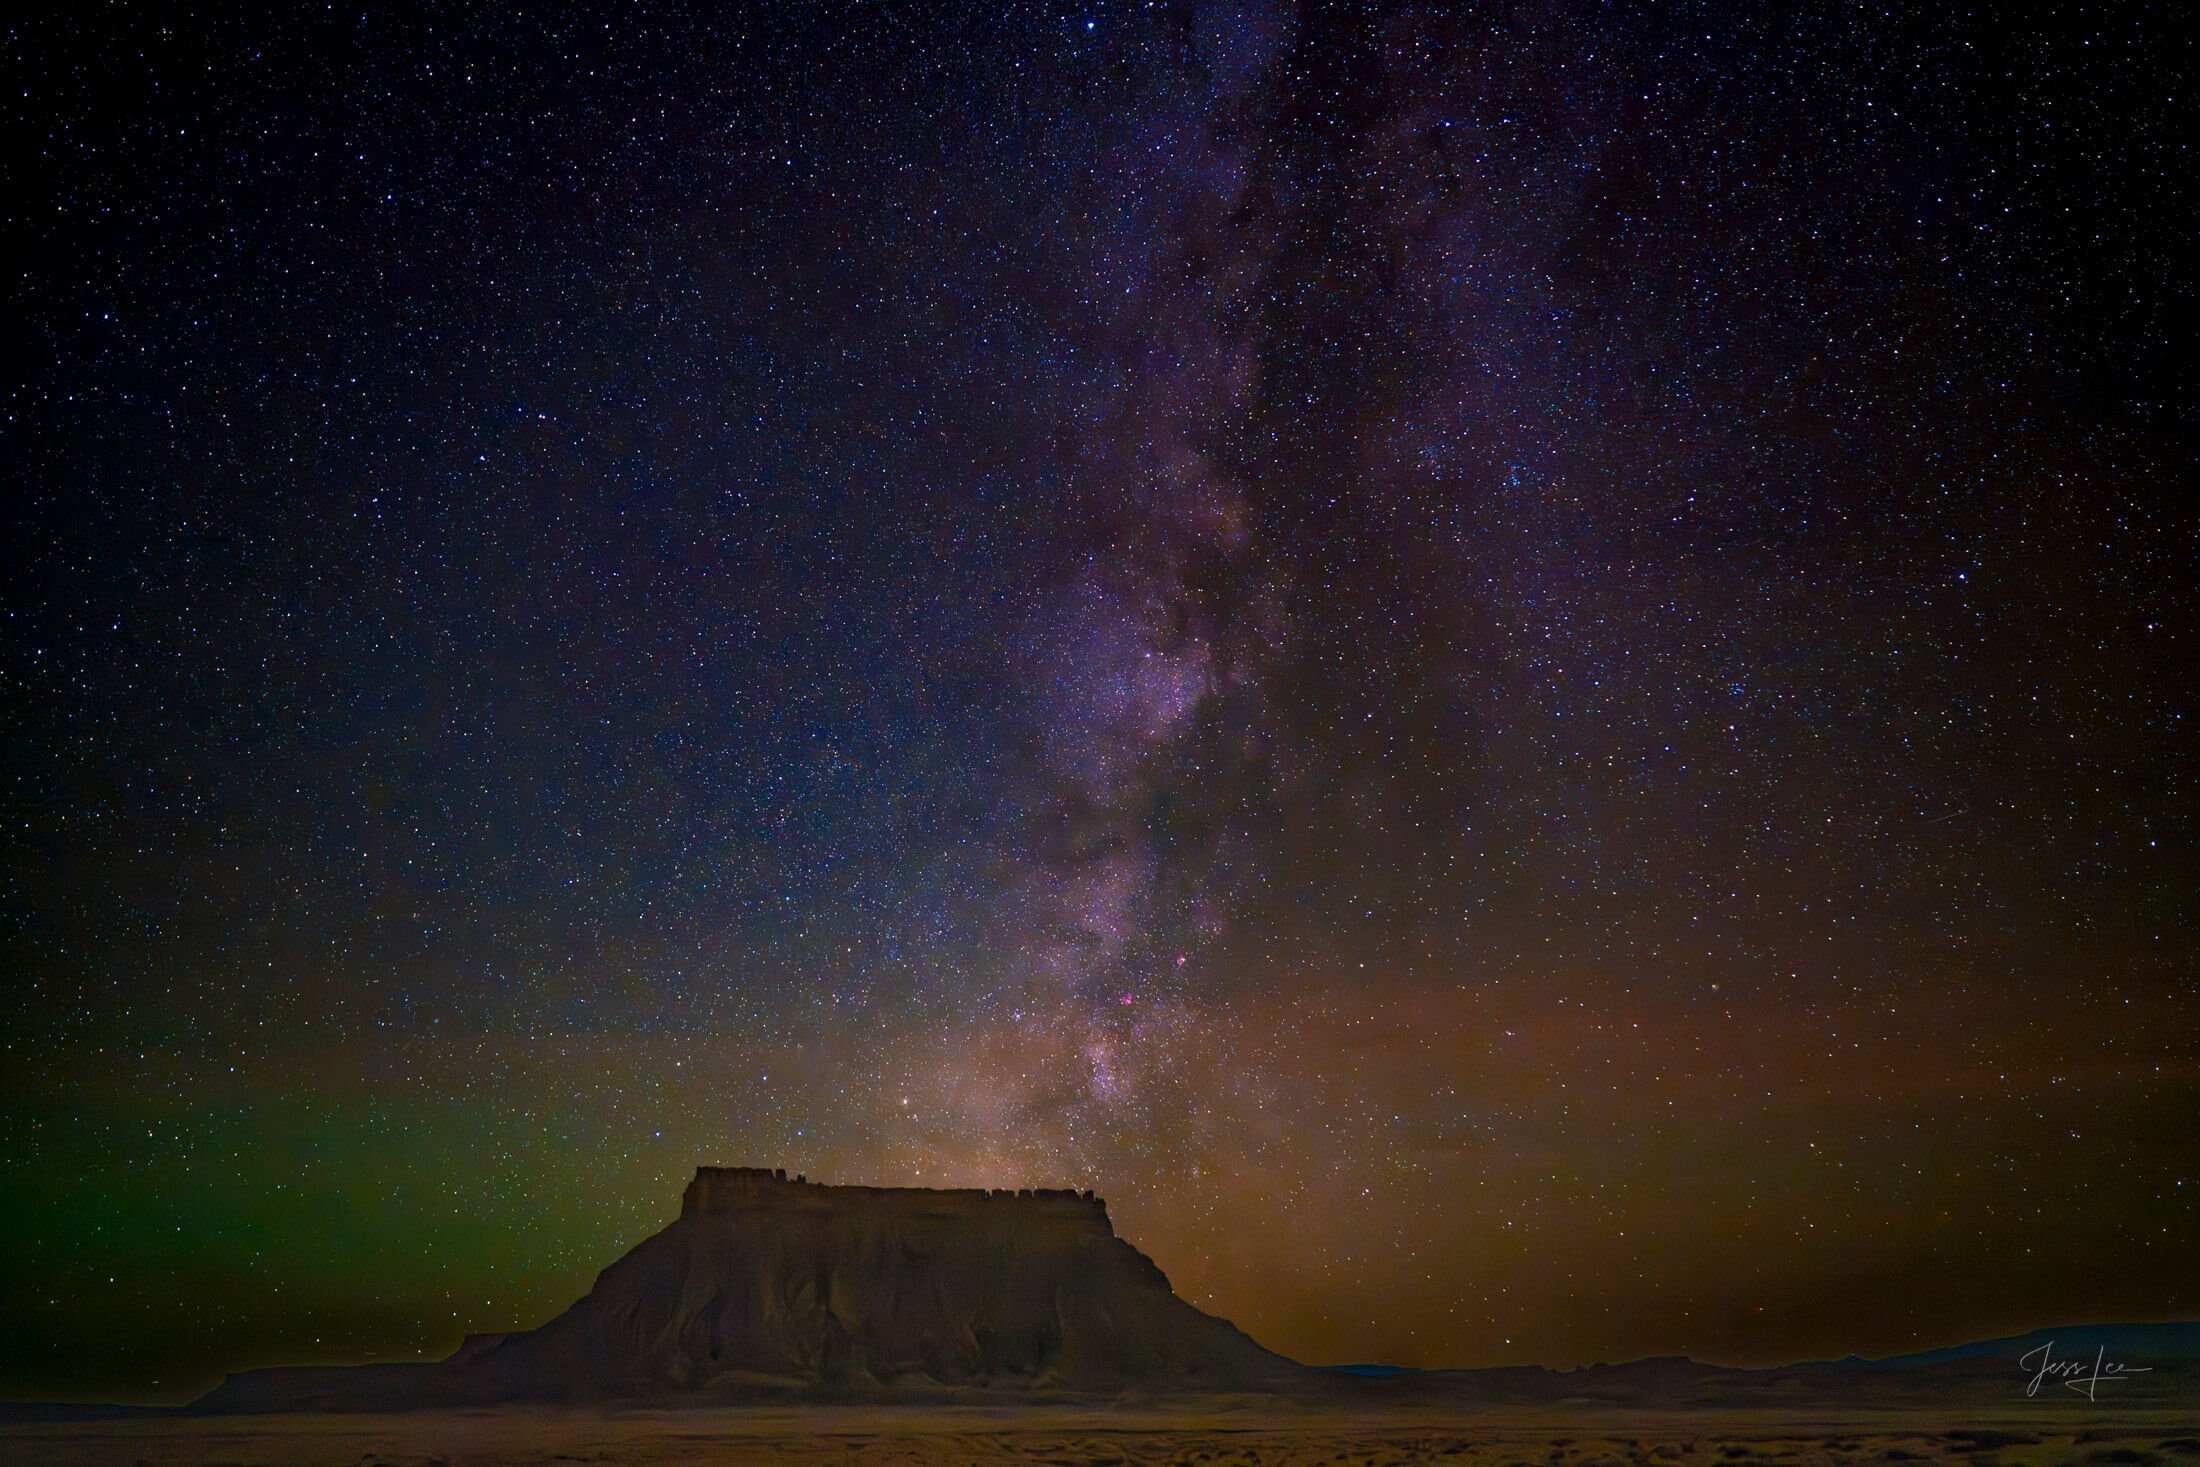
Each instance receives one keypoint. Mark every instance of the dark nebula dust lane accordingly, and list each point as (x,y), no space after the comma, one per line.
(1516,671)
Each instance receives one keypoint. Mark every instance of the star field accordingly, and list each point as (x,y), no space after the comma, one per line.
(1516,672)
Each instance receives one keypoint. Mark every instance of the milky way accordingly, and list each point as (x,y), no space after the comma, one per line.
(1514,671)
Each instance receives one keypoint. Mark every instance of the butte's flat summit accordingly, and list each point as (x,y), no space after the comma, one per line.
(766,1285)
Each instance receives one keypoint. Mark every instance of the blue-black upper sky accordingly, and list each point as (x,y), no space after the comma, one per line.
(1518,671)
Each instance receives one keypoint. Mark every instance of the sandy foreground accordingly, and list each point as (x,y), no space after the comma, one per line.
(2026,1435)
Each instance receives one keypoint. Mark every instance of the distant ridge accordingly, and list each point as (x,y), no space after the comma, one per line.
(2176,1341)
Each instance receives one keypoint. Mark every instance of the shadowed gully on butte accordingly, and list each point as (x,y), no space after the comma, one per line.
(766,1285)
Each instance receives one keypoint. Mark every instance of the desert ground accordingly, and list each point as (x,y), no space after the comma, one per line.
(2026,1434)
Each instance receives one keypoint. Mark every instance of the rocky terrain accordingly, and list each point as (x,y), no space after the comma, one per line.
(1222,1434)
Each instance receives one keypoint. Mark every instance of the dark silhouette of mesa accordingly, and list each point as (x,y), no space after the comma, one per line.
(766,1288)
(770,1286)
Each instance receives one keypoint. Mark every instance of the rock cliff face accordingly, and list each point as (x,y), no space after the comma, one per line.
(769,1285)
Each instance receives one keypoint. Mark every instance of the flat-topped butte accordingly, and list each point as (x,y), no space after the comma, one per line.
(766,1286)
(725,1189)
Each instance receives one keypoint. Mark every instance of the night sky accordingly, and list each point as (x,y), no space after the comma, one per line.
(1524,674)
